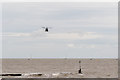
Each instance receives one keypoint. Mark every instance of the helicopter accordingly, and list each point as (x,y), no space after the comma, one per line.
(46,29)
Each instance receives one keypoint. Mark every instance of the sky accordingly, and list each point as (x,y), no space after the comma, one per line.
(77,30)
(3,1)
(0,31)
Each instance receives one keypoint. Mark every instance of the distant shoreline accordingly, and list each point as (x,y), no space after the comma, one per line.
(59,58)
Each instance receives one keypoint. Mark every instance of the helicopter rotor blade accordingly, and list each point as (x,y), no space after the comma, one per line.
(44,27)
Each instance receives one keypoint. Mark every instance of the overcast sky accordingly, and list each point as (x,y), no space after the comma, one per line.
(78,30)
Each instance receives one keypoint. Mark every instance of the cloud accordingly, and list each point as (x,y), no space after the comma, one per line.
(28,16)
(71,45)
(74,36)
(71,35)
(78,28)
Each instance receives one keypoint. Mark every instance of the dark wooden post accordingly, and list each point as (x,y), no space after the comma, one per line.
(79,71)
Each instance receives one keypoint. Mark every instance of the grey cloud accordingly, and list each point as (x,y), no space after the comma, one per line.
(70,37)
